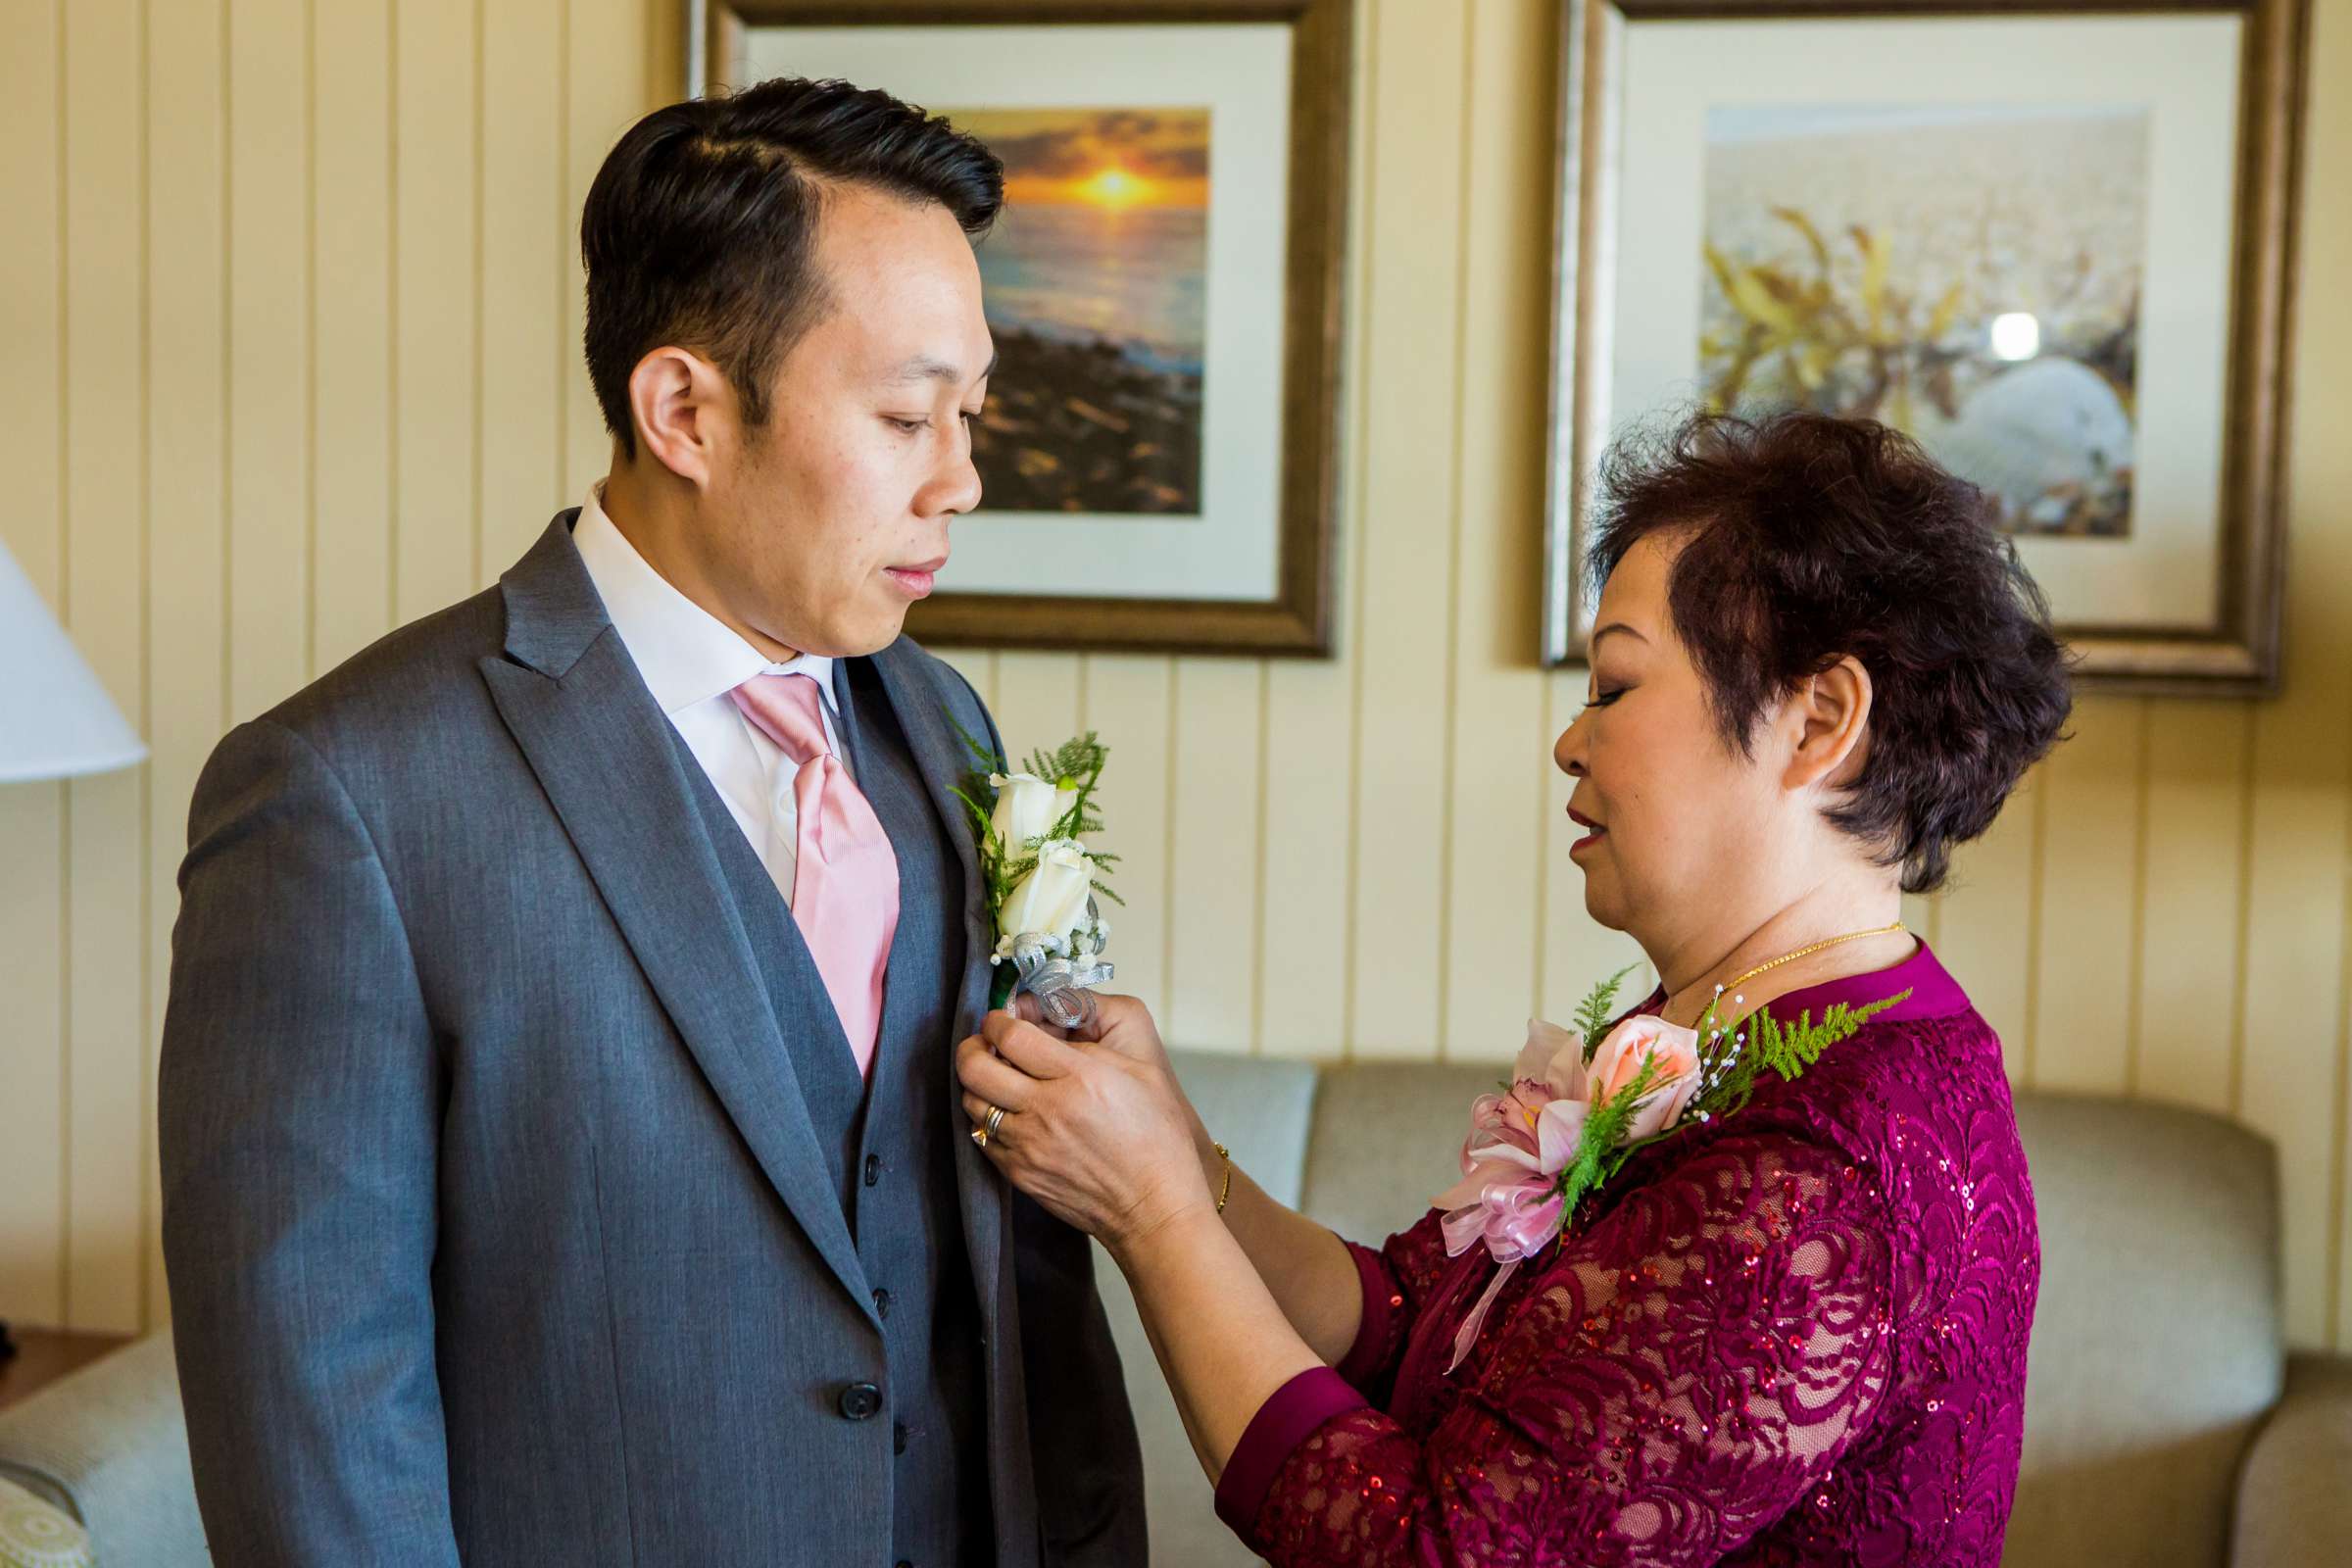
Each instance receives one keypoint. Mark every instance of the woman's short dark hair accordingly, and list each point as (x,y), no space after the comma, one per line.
(701,228)
(1810,538)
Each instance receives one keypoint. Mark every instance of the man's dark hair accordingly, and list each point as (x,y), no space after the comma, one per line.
(701,228)
(1811,538)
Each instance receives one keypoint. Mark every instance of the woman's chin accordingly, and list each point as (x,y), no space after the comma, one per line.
(1602,899)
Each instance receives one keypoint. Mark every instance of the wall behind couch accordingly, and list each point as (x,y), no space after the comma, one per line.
(290,313)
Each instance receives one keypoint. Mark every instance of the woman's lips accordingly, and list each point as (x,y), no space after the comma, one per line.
(1589,839)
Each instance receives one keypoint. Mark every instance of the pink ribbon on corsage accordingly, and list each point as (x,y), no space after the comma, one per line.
(1522,1139)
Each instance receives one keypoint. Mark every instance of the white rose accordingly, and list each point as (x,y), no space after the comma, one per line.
(1027,808)
(1051,901)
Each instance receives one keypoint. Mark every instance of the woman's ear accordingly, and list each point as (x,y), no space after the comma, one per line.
(1830,713)
(683,409)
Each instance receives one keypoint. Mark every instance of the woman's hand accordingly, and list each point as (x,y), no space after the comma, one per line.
(1095,1129)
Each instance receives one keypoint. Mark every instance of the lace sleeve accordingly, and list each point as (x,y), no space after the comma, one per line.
(1679,1375)
(1396,1279)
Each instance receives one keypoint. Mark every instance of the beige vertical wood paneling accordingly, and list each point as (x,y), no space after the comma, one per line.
(2321,493)
(268,353)
(1986,923)
(1304,925)
(1306,918)
(436,108)
(245,447)
(1214,870)
(2193,903)
(2091,847)
(2291,1082)
(187,536)
(604,89)
(526,356)
(1129,702)
(106,522)
(1495,718)
(351,121)
(2294,933)
(33,1151)
(1036,705)
(1413,374)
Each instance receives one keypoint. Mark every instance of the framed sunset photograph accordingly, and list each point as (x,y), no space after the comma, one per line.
(2054,248)
(1157,452)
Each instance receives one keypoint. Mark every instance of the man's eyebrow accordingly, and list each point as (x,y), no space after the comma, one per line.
(923,367)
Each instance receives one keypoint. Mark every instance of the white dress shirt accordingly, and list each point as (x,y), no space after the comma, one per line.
(691,660)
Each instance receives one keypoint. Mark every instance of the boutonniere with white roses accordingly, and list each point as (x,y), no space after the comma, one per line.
(1579,1103)
(1043,882)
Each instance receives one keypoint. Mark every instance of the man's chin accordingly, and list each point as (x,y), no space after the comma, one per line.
(872,636)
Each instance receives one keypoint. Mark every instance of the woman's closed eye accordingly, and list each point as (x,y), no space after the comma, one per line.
(1602,698)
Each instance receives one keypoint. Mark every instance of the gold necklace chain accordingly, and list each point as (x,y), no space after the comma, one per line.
(1807,953)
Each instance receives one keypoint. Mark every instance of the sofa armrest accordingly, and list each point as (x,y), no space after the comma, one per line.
(2295,1510)
(109,1445)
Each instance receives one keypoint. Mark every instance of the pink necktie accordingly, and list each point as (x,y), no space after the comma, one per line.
(845,880)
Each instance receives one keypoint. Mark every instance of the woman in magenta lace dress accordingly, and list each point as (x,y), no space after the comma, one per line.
(1795,1334)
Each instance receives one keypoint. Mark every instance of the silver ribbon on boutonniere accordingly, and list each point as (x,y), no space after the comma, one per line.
(1063,981)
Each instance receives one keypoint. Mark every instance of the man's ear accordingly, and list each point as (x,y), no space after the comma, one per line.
(684,412)
(1830,715)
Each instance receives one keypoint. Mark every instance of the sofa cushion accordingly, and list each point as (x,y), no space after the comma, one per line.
(2157,1340)
(33,1534)
(1386,1140)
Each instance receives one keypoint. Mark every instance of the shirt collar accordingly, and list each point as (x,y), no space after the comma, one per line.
(686,655)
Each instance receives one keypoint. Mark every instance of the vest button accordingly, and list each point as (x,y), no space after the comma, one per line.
(861,1401)
(897,1437)
(882,1303)
(873,1170)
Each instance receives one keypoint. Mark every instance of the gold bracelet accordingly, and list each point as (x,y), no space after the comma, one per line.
(1228,1160)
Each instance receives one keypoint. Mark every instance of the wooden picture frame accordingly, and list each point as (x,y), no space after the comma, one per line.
(1297,617)
(2235,651)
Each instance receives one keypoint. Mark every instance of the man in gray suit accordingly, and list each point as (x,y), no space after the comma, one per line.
(561,1144)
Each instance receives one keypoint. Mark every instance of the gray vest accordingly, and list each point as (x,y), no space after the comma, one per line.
(889,1151)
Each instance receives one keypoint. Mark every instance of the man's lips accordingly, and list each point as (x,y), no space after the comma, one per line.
(915,579)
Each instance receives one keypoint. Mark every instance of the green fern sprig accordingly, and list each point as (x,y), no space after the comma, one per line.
(1596,1155)
(1593,1013)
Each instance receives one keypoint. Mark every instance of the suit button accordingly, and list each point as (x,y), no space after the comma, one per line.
(898,1436)
(861,1401)
(873,1170)
(882,1303)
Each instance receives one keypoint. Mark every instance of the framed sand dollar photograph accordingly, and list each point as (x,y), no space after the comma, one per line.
(2054,246)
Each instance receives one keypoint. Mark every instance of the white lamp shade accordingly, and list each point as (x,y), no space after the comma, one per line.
(56,719)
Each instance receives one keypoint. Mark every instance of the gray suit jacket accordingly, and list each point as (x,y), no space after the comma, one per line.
(455,1006)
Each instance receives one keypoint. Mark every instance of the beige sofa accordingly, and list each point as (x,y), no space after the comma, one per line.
(2165,1426)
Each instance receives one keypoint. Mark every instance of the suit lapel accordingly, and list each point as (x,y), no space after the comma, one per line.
(602,750)
(919,703)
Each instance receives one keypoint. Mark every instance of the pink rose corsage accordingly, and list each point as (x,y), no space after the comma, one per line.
(1573,1113)
(1517,1189)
